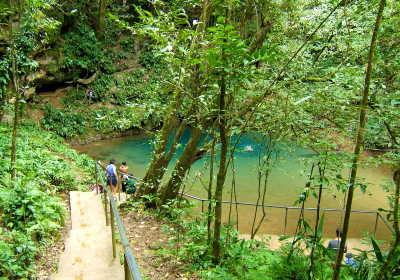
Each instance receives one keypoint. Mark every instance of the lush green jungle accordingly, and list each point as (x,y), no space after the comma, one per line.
(322,74)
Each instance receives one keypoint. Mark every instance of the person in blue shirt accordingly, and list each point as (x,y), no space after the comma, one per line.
(111,172)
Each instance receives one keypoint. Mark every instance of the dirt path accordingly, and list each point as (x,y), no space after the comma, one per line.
(145,235)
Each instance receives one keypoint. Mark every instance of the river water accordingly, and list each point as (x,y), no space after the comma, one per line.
(283,185)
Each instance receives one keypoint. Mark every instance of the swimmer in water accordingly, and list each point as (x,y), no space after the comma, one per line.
(248,148)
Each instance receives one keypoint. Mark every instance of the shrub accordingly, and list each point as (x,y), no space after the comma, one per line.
(64,123)
(128,44)
(150,60)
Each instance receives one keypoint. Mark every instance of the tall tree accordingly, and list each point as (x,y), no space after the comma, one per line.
(15,88)
(22,41)
(358,146)
(162,156)
(101,30)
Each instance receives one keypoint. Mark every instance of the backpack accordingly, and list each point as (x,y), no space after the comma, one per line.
(130,188)
(94,188)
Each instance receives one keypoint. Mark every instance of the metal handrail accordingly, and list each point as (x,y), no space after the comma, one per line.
(378,215)
(130,266)
(298,208)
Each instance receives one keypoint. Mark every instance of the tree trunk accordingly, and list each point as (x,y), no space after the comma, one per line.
(246,17)
(220,181)
(321,179)
(183,164)
(221,173)
(260,36)
(223,156)
(4,101)
(160,160)
(209,190)
(358,146)
(15,133)
(14,90)
(262,165)
(157,167)
(102,21)
(322,50)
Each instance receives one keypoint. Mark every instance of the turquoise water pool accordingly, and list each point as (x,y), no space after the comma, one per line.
(283,185)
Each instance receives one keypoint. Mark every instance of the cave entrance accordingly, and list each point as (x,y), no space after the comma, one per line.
(50,88)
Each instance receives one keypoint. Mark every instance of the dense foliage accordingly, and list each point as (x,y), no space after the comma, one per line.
(309,86)
(294,70)
(253,259)
(139,96)
(32,210)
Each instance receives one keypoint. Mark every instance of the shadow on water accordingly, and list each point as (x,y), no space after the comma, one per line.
(284,184)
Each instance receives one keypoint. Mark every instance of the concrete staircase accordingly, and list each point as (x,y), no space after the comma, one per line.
(88,249)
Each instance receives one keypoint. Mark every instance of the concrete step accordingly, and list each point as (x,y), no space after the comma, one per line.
(86,210)
(103,273)
(88,249)
(83,259)
(89,238)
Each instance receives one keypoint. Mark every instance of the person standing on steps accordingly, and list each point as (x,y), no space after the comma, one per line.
(123,168)
(111,172)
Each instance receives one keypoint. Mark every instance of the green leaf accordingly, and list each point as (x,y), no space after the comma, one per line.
(321,95)
(110,15)
(263,51)
(286,237)
(256,54)
(307,226)
(377,251)
(246,82)
(272,49)
(320,226)
(314,193)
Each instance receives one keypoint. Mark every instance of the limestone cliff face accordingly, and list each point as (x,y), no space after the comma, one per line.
(46,54)
(71,61)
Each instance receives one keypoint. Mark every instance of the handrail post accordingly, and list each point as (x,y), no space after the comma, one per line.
(106,205)
(128,275)
(376,224)
(119,183)
(95,175)
(113,232)
(284,232)
(202,206)
(70,210)
(111,187)
(131,265)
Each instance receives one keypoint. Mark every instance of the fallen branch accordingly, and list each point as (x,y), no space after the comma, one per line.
(84,81)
